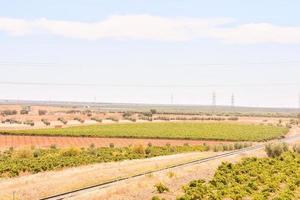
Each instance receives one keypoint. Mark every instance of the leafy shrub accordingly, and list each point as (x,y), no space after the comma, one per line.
(46,122)
(238,145)
(24,112)
(111,145)
(233,118)
(62,120)
(127,114)
(11,121)
(96,119)
(153,111)
(36,153)
(148,150)
(288,126)
(70,152)
(230,147)
(161,188)
(171,174)
(157,198)
(23,153)
(79,119)
(225,147)
(276,149)
(139,149)
(114,119)
(29,122)
(218,148)
(8,112)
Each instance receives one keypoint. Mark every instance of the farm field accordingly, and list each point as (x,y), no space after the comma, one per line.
(37,186)
(27,141)
(252,178)
(15,162)
(175,130)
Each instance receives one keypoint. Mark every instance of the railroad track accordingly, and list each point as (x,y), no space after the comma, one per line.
(203,160)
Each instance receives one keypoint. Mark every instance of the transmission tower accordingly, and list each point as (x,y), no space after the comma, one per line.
(172,99)
(299,101)
(232,100)
(214,99)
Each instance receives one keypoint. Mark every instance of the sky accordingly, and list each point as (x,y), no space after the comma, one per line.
(158,51)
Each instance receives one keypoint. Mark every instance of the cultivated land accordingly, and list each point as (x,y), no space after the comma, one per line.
(22,141)
(16,162)
(131,132)
(238,176)
(176,130)
(252,178)
(45,184)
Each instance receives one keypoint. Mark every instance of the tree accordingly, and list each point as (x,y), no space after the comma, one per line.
(42,112)
(153,111)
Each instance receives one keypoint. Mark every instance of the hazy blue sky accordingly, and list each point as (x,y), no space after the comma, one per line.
(146,50)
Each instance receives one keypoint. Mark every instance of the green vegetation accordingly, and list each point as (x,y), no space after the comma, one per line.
(252,178)
(161,188)
(182,130)
(8,112)
(276,149)
(157,198)
(16,162)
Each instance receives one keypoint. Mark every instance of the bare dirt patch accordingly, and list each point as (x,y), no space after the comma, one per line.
(16,141)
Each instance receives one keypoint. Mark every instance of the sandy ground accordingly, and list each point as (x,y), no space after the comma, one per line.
(293,131)
(35,186)
(7,141)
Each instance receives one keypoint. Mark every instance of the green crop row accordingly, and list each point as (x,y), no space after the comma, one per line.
(15,162)
(180,130)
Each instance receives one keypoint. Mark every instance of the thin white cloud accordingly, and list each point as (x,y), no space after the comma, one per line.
(150,27)
(255,33)
(16,27)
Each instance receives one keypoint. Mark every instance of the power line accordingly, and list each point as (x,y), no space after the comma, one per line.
(23,83)
(54,64)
